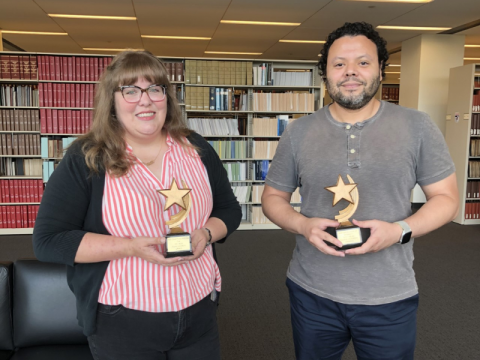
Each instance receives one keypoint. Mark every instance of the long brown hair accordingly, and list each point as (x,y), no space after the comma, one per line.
(104,146)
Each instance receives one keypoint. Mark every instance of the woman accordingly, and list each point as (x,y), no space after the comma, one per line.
(102,215)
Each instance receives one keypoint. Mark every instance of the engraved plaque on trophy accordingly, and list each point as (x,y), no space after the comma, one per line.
(178,242)
(350,236)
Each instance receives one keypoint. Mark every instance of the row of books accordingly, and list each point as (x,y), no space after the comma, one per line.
(19,144)
(66,95)
(53,121)
(242,193)
(292,78)
(18,216)
(264,149)
(269,126)
(174,71)
(474,169)
(20,167)
(477,81)
(18,95)
(236,171)
(258,217)
(287,101)
(257,191)
(475,147)
(230,149)
(218,72)
(472,210)
(21,191)
(55,148)
(18,67)
(215,99)
(260,169)
(390,93)
(71,68)
(19,120)
(475,125)
(48,168)
(476,101)
(473,189)
(215,127)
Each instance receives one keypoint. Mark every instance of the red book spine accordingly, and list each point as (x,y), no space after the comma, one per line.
(24,212)
(49,94)
(26,67)
(63,91)
(77,95)
(72,95)
(23,191)
(40,190)
(15,67)
(87,69)
(95,68)
(81,129)
(43,121)
(82,69)
(67,95)
(41,94)
(41,67)
(58,68)
(70,120)
(64,73)
(33,67)
(82,95)
(51,65)
(49,121)
(70,69)
(16,195)
(18,217)
(55,121)
(60,122)
(91,92)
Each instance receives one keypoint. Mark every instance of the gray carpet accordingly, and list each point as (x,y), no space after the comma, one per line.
(254,317)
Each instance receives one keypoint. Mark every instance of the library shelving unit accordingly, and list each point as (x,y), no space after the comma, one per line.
(260,97)
(390,92)
(48,101)
(463,137)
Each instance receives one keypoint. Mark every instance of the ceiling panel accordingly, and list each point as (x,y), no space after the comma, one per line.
(443,13)
(177,48)
(44,43)
(273,10)
(103,33)
(25,15)
(336,13)
(307,33)
(88,7)
(293,51)
(179,18)
(246,38)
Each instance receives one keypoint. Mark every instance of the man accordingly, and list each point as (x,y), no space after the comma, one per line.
(366,294)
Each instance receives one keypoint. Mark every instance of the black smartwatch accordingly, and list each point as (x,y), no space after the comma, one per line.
(406,232)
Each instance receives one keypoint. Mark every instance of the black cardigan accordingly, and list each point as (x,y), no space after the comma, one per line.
(72,206)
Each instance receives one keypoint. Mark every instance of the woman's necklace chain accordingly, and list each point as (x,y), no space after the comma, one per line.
(152,161)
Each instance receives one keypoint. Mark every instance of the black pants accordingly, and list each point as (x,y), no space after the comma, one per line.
(125,334)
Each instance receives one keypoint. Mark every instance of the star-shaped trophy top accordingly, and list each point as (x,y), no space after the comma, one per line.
(174,195)
(341,191)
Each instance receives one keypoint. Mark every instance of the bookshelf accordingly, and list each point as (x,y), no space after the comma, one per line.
(46,101)
(463,135)
(242,109)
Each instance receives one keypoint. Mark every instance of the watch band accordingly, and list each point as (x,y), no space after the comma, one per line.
(209,236)
(406,230)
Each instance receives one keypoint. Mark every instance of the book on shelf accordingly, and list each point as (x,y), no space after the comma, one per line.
(19,95)
(21,191)
(175,71)
(472,210)
(242,193)
(475,125)
(71,68)
(473,189)
(267,126)
(218,72)
(215,99)
(19,120)
(230,149)
(20,166)
(216,126)
(18,216)
(264,149)
(283,101)
(260,169)
(54,121)
(20,144)
(476,100)
(236,171)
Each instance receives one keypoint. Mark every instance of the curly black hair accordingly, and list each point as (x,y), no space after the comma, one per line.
(354,29)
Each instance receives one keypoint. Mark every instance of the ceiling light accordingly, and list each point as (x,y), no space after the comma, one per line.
(396,1)
(472,46)
(471,58)
(175,37)
(388,27)
(259,23)
(31,32)
(303,41)
(319,54)
(105,49)
(232,53)
(95,17)
(394,65)
(392,72)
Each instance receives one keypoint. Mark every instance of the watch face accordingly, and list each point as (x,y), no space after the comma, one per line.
(406,237)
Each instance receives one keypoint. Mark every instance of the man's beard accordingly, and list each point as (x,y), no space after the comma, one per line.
(353,102)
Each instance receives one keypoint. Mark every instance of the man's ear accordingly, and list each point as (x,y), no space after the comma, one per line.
(380,70)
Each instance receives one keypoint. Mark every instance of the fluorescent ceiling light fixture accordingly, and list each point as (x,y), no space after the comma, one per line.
(105,49)
(259,23)
(303,41)
(396,1)
(393,72)
(472,46)
(471,58)
(232,53)
(175,37)
(394,65)
(319,54)
(31,32)
(95,17)
(391,27)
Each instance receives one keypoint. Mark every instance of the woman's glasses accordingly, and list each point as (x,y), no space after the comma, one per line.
(133,93)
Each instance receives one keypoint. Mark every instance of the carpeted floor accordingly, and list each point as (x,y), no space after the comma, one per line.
(254,317)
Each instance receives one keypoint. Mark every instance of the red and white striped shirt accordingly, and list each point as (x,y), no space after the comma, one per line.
(132,207)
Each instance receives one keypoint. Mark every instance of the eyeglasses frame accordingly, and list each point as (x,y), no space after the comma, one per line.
(120,88)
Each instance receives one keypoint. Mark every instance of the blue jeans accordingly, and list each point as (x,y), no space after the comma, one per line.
(125,334)
(323,328)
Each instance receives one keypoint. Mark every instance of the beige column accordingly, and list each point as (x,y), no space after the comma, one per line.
(426,63)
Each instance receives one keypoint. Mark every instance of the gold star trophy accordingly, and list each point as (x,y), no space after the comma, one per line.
(178,242)
(350,236)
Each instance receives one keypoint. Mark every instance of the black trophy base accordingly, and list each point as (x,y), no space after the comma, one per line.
(350,236)
(179,244)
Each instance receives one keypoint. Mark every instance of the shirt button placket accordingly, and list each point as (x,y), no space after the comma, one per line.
(353,146)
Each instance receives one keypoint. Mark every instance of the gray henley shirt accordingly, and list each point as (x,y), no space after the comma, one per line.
(386,156)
